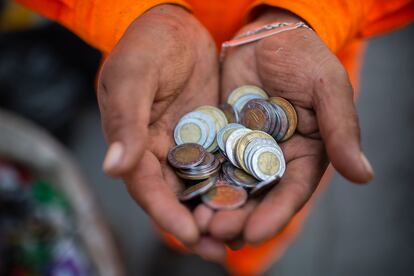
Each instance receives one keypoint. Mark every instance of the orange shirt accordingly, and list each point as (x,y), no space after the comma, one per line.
(102,22)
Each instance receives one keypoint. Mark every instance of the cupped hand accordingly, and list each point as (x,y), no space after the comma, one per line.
(298,66)
(164,66)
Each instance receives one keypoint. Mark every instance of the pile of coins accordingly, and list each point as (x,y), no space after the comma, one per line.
(229,153)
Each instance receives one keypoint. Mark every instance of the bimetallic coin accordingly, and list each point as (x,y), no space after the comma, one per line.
(290,114)
(224,130)
(197,189)
(264,186)
(238,106)
(238,176)
(258,114)
(207,162)
(211,133)
(231,115)
(283,122)
(253,146)
(186,156)
(231,143)
(190,131)
(245,90)
(267,162)
(244,141)
(224,196)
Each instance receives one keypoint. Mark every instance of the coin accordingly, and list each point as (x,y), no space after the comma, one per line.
(238,176)
(244,141)
(231,115)
(224,131)
(186,155)
(253,146)
(219,117)
(241,102)
(209,121)
(244,90)
(267,162)
(283,123)
(197,189)
(264,186)
(290,114)
(197,174)
(190,131)
(224,196)
(258,114)
(231,143)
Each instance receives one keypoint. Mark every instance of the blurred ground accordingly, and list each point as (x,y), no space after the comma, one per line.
(352,230)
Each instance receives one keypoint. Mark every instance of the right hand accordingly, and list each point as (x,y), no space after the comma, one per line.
(165,65)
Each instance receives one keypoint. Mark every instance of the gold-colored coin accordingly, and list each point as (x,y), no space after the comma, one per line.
(290,114)
(244,90)
(268,163)
(244,141)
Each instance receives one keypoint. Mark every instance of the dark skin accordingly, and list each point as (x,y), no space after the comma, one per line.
(171,58)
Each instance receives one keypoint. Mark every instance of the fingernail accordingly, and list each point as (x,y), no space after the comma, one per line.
(367,165)
(113,157)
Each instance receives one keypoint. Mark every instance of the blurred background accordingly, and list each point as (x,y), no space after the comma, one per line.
(47,76)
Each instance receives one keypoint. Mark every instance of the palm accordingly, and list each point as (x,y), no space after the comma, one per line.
(286,65)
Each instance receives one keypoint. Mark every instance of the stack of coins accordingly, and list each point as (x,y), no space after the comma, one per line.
(200,126)
(243,136)
(193,162)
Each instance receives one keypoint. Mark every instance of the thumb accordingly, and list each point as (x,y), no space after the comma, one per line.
(338,123)
(125,103)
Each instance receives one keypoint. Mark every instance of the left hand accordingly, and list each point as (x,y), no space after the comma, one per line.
(298,66)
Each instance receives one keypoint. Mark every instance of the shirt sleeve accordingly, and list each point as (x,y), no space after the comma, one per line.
(338,22)
(100,23)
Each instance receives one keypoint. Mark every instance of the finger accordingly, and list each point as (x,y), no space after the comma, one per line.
(227,225)
(210,249)
(286,198)
(125,97)
(338,121)
(147,186)
(203,216)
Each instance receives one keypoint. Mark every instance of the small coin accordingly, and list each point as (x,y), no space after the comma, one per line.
(224,196)
(197,174)
(209,122)
(238,176)
(231,143)
(197,189)
(253,146)
(290,114)
(190,131)
(258,114)
(231,115)
(264,186)
(283,122)
(244,90)
(186,156)
(267,162)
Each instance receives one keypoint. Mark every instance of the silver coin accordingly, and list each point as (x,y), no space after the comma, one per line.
(181,135)
(211,134)
(283,123)
(197,189)
(264,186)
(268,162)
(231,144)
(221,132)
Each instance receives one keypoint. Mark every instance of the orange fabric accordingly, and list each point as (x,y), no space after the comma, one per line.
(102,22)
(341,24)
